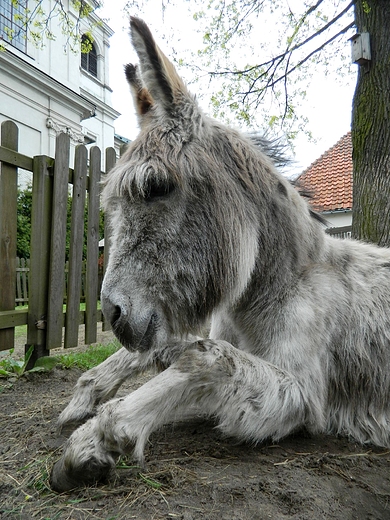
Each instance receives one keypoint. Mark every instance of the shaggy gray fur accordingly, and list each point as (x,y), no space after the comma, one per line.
(203,227)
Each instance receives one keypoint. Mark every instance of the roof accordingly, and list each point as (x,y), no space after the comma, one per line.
(329,179)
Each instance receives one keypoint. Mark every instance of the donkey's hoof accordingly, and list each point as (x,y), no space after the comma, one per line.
(66,476)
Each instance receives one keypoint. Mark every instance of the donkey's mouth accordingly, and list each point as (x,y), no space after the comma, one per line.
(139,338)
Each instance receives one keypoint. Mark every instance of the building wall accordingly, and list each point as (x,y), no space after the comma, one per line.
(338,218)
(47,91)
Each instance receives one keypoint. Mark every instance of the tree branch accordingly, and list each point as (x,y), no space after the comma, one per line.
(283,55)
(288,72)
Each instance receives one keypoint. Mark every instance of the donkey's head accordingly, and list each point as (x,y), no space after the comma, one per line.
(182,208)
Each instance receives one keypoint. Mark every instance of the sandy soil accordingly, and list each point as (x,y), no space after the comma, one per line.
(192,473)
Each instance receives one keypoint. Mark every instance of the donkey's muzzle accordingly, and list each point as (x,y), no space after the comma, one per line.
(135,330)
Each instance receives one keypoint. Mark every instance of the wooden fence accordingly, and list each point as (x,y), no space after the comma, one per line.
(22,272)
(45,317)
(340,232)
(22,280)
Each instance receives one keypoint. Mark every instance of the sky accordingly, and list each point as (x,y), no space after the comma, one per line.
(327,106)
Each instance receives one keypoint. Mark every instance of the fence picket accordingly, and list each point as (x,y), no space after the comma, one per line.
(41,215)
(92,267)
(19,295)
(57,251)
(8,219)
(25,270)
(22,269)
(76,248)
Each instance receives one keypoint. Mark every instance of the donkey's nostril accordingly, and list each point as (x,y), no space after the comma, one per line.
(112,311)
(116,314)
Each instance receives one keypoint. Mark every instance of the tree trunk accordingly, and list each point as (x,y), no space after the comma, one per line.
(371,128)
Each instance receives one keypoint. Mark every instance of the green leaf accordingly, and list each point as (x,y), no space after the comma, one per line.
(37,369)
(150,482)
(45,363)
(27,356)
(18,367)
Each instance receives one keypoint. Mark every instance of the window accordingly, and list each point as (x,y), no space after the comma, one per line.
(13,28)
(88,59)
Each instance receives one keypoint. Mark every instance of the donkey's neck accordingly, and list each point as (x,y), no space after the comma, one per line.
(289,239)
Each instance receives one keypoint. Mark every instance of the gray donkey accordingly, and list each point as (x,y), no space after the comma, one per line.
(203,227)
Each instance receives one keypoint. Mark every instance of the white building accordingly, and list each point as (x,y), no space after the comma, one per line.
(51,88)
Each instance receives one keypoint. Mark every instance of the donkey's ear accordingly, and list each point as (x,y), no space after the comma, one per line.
(142,99)
(159,75)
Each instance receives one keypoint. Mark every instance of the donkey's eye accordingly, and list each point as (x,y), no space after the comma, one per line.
(155,190)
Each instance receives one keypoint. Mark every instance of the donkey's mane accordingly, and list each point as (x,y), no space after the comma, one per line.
(173,164)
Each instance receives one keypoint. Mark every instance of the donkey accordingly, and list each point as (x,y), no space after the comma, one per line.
(204,228)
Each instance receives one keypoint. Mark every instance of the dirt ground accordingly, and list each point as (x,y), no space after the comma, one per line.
(192,471)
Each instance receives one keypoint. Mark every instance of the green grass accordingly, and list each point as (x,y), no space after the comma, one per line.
(91,357)
(21,330)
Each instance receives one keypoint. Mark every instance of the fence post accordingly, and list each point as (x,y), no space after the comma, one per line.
(76,248)
(8,231)
(58,243)
(92,275)
(42,191)
(110,163)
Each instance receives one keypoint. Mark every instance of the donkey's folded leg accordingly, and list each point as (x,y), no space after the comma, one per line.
(119,425)
(250,398)
(101,383)
(96,386)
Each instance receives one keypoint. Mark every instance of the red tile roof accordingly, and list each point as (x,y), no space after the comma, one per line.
(329,178)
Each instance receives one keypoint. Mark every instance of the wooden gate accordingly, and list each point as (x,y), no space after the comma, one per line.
(52,179)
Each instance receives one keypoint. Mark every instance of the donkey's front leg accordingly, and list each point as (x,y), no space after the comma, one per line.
(119,425)
(96,386)
(250,398)
(101,383)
